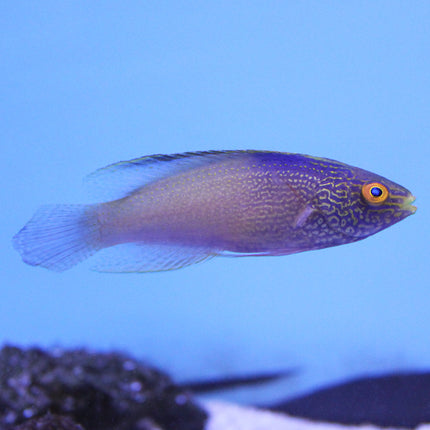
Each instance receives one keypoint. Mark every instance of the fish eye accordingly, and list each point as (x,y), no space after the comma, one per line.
(374,193)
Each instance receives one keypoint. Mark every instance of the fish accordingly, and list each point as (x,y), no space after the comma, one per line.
(165,212)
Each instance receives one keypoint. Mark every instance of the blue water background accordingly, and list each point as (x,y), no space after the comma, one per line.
(85,84)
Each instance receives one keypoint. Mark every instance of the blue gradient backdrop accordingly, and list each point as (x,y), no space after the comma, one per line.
(85,84)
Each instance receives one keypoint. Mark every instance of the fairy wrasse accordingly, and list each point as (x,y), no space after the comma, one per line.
(170,211)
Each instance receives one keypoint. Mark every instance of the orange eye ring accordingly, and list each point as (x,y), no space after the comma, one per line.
(375,193)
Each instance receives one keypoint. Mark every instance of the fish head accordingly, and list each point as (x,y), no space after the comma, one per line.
(356,203)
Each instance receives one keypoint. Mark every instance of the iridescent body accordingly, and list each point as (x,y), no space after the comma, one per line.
(176,210)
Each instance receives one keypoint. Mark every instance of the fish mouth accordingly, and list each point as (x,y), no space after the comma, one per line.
(407,204)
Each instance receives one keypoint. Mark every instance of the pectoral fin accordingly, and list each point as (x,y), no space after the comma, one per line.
(305,213)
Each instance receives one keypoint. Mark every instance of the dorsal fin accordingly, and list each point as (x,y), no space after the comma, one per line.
(121,179)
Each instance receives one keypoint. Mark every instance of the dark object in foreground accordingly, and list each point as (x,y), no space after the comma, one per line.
(99,391)
(397,400)
(233,382)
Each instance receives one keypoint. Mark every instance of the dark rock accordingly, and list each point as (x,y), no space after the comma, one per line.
(395,400)
(99,391)
(49,422)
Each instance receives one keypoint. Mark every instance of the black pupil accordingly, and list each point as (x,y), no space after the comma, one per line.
(376,192)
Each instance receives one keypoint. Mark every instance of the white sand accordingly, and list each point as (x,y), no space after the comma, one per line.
(227,416)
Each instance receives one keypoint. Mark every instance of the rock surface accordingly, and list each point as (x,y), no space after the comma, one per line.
(98,391)
(49,422)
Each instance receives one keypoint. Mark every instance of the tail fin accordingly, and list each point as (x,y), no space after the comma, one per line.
(59,236)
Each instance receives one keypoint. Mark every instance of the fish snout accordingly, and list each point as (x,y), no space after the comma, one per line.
(407,204)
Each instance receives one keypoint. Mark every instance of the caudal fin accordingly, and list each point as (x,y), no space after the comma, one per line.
(59,236)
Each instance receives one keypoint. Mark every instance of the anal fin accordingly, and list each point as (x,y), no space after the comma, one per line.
(143,257)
